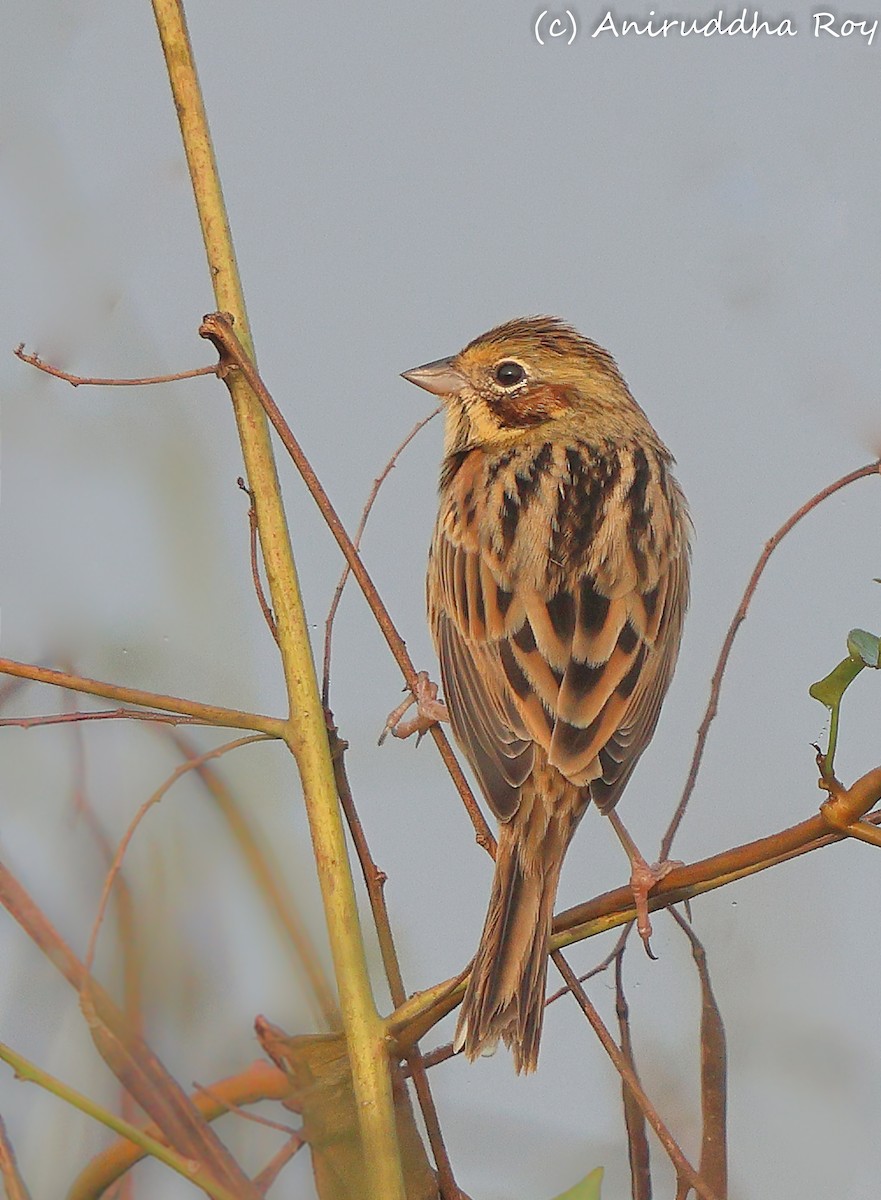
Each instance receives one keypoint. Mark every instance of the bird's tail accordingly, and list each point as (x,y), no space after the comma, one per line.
(506,992)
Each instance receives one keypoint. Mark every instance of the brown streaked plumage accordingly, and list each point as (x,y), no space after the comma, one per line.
(557,586)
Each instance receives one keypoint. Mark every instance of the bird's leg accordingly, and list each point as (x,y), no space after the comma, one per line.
(642,879)
(429,710)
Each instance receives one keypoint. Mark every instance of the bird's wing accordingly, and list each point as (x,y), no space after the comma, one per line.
(464,598)
(582,672)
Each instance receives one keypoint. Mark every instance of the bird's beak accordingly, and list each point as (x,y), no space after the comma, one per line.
(439,377)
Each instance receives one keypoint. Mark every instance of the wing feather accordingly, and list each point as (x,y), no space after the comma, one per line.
(486,725)
(622,751)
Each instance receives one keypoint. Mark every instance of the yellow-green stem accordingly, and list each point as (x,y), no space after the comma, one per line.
(305,732)
(196,1174)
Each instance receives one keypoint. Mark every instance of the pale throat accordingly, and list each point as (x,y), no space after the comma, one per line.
(473,426)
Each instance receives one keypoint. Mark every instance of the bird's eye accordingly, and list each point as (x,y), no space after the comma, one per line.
(509,373)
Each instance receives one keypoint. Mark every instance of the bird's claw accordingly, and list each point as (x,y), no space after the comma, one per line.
(429,710)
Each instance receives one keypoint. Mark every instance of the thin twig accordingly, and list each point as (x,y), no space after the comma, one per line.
(771,545)
(267,1177)
(34,360)
(230,1106)
(603,965)
(356,542)
(438,1055)
(217,328)
(265,607)
(375,879)
(680,1162)
(634,1118)
(115,714)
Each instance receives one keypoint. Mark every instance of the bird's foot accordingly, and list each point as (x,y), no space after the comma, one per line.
(429,710)
(643,878)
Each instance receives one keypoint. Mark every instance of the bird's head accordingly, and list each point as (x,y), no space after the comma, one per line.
(524,376)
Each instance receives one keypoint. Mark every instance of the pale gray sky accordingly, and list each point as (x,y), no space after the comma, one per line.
(400,177)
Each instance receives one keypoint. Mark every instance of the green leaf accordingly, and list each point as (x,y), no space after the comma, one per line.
(864,646)
(587,1189)
(830,690)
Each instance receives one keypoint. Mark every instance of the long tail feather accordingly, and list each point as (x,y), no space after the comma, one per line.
(506,992)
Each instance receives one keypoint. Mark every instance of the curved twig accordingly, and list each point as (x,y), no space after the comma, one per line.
(737,620)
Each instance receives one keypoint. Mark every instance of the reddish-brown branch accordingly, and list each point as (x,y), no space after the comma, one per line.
(151,1085)
(737,620)
(683,883)
(438,1055)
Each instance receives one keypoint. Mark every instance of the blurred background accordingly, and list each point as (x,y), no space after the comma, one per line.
(400,178)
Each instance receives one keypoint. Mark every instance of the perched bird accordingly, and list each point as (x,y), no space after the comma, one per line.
(557,586)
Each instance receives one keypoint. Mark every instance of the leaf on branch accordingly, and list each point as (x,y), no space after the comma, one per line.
(864,646)
(830,690)
(863,650)
(323,1093)
(587,1189)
